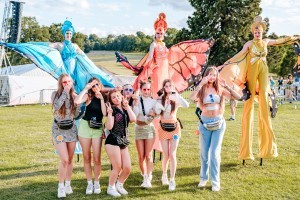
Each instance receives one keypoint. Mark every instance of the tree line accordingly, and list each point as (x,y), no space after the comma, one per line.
(227,22)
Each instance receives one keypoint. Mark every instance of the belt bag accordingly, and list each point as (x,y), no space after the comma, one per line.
(169,127)
(212,126)
(65,124)
(122,140)
(95,124)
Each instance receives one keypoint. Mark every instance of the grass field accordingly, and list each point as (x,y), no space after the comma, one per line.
(28,165)
(107,59)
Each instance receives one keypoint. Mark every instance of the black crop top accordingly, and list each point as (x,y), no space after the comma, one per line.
(121,121)
(94,110)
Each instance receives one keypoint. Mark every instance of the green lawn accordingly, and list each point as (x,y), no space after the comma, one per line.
(107,59)
(28,165)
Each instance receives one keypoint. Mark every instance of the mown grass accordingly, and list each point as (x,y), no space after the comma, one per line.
(28,165)
(107,59)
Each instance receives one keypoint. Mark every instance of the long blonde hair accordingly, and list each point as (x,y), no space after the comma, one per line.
(216,85)
(62,110)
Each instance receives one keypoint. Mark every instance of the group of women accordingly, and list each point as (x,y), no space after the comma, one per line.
(115,106)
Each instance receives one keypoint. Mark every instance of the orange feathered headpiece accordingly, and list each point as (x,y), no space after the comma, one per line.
(160,24)
(258,24)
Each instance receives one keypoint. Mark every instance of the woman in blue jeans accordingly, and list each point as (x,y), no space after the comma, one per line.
(211,94)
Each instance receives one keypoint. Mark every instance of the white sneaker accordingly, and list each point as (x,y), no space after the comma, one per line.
(202,183)
(150,177)
(68,189)
(111,190)
(148,183)
(89,189)
(216,188)
(120,188)
(164,179)
(97,189)
(144,183)
(61,192)
(172,185)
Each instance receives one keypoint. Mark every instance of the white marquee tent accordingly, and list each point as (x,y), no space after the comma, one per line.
(25,84)
(28,84)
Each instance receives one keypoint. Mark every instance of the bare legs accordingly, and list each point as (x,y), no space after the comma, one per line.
(120,160)
(169,155)
(96,144)
(66,152)
(144,149)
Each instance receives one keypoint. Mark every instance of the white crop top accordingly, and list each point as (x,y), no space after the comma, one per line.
(211,98)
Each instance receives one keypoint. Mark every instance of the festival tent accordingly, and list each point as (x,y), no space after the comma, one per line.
(28,84)
(25,84)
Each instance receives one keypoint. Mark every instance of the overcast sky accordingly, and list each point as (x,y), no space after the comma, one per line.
(104,17)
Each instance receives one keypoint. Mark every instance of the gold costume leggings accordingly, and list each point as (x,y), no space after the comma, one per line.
(257,72)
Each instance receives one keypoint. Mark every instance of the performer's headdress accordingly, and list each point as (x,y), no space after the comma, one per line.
(160,24)
(258,24)
(67,26)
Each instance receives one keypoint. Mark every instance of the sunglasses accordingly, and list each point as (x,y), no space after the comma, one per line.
(146,89)
(211,98)
(128,90)
(65,82)
(95,85)
(158,33)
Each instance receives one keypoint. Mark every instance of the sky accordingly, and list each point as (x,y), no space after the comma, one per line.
(103,17)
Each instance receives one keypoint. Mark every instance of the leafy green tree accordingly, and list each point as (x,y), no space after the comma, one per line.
(170,36)
(288,61)
(227,21)
(32,31)
(80,39)
(55,32)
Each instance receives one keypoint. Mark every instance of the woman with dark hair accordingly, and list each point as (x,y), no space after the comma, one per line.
(169,131)
(211,93)
(90,131)
(116,144)
(64,131)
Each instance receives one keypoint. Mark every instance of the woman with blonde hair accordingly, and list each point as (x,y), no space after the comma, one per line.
(64,131)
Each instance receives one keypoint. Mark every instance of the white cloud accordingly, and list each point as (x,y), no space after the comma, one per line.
(112,7)
(284,15)
(175,4)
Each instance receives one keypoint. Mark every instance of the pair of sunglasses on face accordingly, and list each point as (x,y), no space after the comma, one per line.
(65,82)
(128,90)
(95,85)
(146,89)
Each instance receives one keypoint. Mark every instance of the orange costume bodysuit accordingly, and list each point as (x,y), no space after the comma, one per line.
(159,68)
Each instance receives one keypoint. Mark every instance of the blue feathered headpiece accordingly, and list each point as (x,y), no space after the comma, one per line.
(67,26)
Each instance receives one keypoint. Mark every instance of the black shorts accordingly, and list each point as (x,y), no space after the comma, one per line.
(113,141)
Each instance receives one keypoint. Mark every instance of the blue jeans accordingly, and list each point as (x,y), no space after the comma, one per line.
(210,150)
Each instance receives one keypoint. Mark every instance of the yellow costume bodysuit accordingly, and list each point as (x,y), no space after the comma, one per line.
(257,72)
(250,66)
